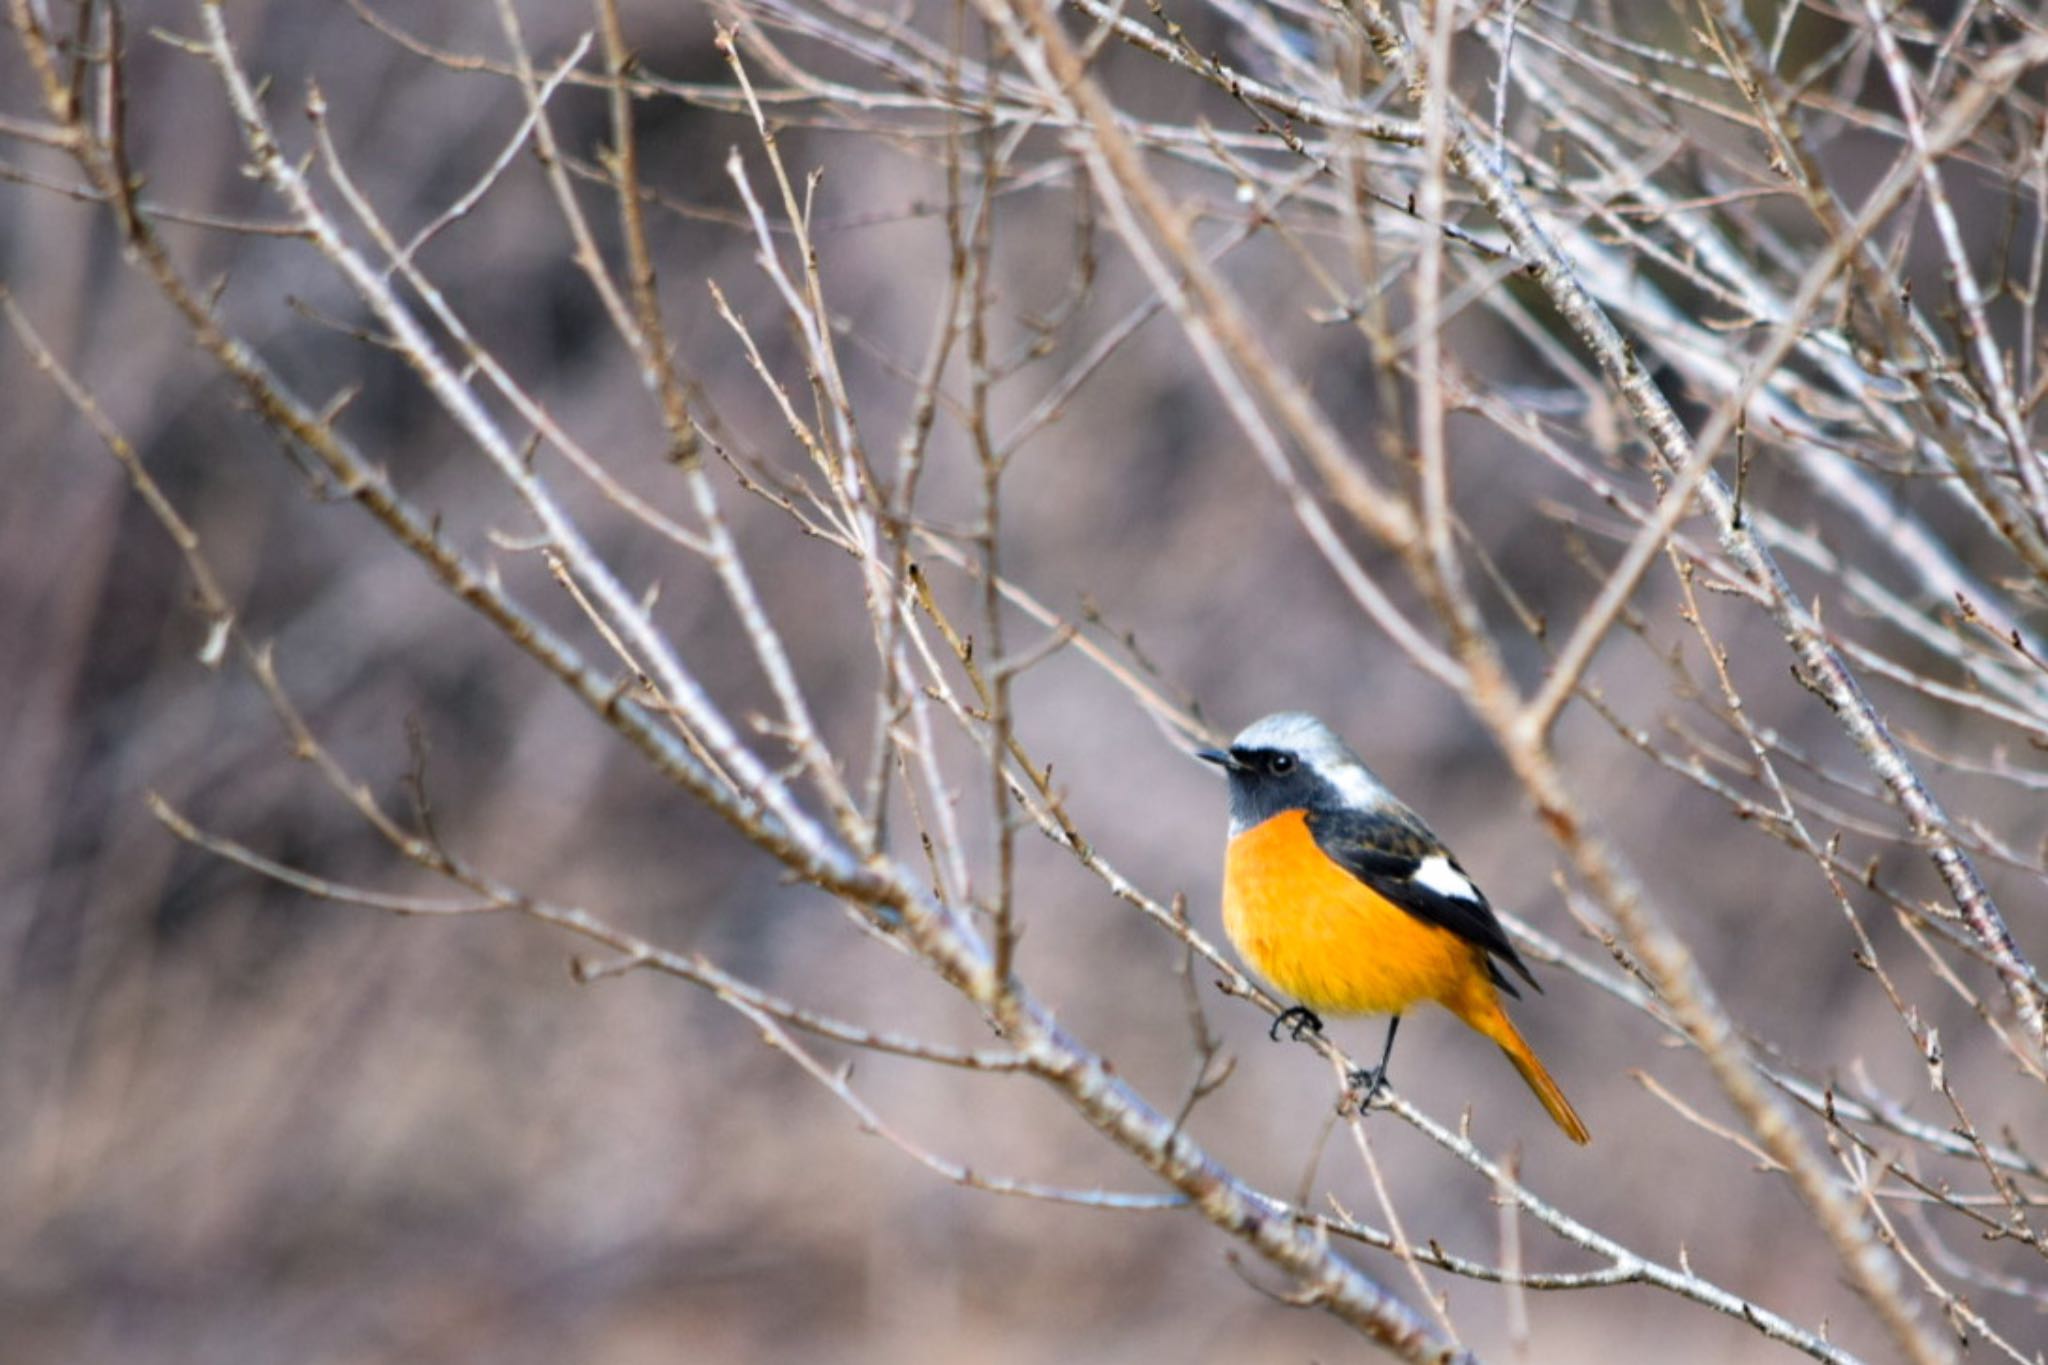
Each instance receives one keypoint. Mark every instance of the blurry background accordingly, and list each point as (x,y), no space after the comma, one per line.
(240,1124)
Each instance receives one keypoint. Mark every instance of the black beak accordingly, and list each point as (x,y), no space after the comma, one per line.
(1220,757)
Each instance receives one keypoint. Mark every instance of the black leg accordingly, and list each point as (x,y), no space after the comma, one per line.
(1296,1020)
(1373,1080)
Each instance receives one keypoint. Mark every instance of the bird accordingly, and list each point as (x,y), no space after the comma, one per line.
(1340,898)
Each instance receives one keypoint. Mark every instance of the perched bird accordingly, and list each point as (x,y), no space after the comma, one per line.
(1340,898)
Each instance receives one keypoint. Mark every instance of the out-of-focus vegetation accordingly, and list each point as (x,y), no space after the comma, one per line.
(1264,370)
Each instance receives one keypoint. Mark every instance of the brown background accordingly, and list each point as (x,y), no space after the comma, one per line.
(237,1124)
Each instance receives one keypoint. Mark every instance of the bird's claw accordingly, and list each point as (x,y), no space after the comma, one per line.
(1297,1020)
(1367,1081)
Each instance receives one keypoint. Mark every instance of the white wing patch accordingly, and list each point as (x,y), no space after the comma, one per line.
(1436,873)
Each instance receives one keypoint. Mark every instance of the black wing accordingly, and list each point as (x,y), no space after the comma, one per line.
(1385,851)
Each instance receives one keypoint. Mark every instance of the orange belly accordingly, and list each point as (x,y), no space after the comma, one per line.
(1319,935)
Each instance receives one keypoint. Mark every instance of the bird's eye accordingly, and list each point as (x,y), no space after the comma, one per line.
(1280,764)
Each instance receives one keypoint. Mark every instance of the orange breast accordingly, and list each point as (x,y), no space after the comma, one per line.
(1319,935)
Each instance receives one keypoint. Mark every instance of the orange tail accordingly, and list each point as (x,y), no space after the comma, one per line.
(1490,1019)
